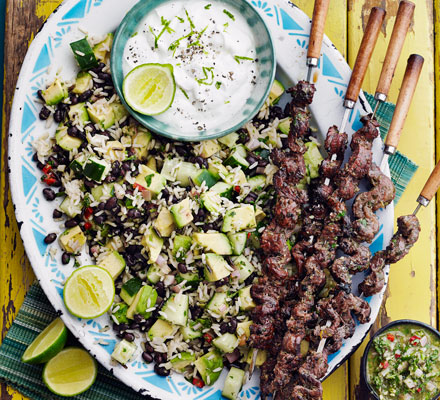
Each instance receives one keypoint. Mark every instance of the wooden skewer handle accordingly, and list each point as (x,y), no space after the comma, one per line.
(318,26)
(401,28)
(412,74)
(432,185)
(365,52)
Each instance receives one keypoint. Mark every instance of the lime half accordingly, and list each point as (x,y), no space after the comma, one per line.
(47,344)
(89,292)
(150,88)
(70,372)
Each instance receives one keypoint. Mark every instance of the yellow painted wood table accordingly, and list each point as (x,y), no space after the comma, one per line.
(412,289)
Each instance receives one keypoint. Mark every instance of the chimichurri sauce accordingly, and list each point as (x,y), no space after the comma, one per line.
(403,364)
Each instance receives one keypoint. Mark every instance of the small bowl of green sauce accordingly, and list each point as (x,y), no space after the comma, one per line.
(402,362)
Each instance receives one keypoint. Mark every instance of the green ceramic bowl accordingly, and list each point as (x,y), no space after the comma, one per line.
(266,74)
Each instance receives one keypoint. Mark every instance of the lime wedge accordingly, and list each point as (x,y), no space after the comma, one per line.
(70,372)
(47,344)
(149,89)
(89,292)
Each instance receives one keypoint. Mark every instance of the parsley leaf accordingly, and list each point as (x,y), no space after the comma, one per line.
(148,179)
(208,6)
(218,85)
(229,14)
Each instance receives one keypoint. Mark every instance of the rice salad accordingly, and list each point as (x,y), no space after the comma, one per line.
(176,224)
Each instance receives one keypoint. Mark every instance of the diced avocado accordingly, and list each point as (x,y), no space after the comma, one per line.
(247,303)
(257,183)
(101,113)
(313,159)
(218,304)
(55,93)
(169,169)
(154,273)
(153,242)
(223,189)
(233,383)
(216,168)
(121,313)
(216,242)
(72,240)
(182,360)
(65,141)
(217,268)
(259,215)
(161,329)
(114,263)
(69,208)
(226,342)
(239,219)
(243,328)
(192,278)
(284,125)
(144,300)
(238,242)
(189,333)
(83,54)
(150,180)
(211,201)
(261,357)
(79,112)
(164,223)
(176,308)
(119,110)
(207,364)
(209,148)
(96,169)
(130,289)
(276,92)
(237,178)
(124,351)
(185,172)
(141,141)
(237,158)
(83,82)
(103,192)
(116,151)
(152,164)
(182,212)
(229,140)
(181,246)
(205,176)
(102,49)
(244,266)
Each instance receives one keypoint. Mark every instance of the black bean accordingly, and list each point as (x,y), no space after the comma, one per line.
(232,326)
(98,68)
(40,165)
(250,198)
(250,279)
(182,268)
(89,184)
(148,324)
(61,189)
(200,216)
(105,76)
(99,220)
(148,358)
(120,336)
(73,131)
(287,110)
(123,327)
(224,327)
(40,95)
(110,178)
(116,327)
(196,312)
(262,163)
(160,289)
(209,227)
(161,371)
(50,238)
(73,99)
(180,150)
(126,166)
(44,113)
(65,258)
(58,116)
(139,318)
(101,206)
(85,96)
(49,194)
(54,162)
(57,214)
(134,213)
(111,203)
(71,223)
(276,112)
(203,162)
(134,325)
(160,358)
(149,348)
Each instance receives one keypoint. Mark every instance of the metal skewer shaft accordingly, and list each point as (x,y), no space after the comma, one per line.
(316,35)
(430,189)
(409,84)
(404,17)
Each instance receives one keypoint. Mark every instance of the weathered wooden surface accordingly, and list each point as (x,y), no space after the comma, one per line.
(412,290)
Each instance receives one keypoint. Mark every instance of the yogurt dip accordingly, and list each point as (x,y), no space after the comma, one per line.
(212,50)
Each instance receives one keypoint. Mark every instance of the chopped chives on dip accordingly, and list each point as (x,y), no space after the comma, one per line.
(403,363)
(213,52)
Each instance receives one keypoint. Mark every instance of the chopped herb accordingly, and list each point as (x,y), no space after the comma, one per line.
(229,14)
(148,179)
(184,93)
(225,26)
(191,24)
(241,58)
(363,222)
(134,34)
(181,20)
(218,85)
(227,102)
(208,6)
(166,28)
(208,78)
(86,201)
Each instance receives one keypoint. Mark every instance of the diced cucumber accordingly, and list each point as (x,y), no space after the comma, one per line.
(229,140)
(69,208)
(72,240)
(209,148)
(233,383)
(124,351)
(239,219)
(185,172)
(257,183)
(205,176)
(313,159)
(102,49)
(211,201)
(130,289)
(244,266)
(181,246)
(96,169)
(189,333)
(238,242)
(141,141)
(176,308)
(237,158)
(218,304)
(76,166)
(192,278)
(243,328)
(237,178)
(226,342)
(150,180)
(182,213)
(217,268)
(216,242)
(164,223)
(83,53)
(276,92)
(79,112)
(153,242)
(154,273)
(101,113)
(55,93)
(182,360)
(114,263)
(247,303)
(161,329)
(207,364)
(216,167)
(119,110)
(169,169)
(144,300)
(83,82)
(121,313)
(103,192)
(65,141)
(223,189)
(284,125)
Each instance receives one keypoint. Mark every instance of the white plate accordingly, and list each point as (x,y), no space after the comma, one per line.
(50,50)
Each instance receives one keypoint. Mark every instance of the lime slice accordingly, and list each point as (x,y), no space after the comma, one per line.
(149,88)
(89,292)
(47,344)
(70,372)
